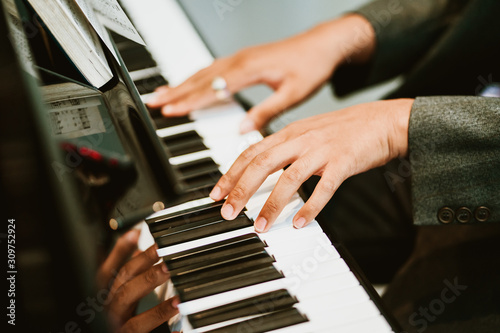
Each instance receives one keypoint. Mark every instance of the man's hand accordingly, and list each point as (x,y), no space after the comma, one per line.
(335,146)
(134,279)
(294,68)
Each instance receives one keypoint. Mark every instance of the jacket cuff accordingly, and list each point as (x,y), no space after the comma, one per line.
(454,154)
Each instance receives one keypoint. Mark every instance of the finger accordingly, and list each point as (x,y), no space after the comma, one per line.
(258,116)
(258,170)
(227,182)
(287,185)
(323,192)
(123,249)
(202,97)
(164,96)
(135,266)
(123,301)
(152,318)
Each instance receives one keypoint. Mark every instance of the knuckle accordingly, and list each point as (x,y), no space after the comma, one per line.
(124,273)
(152,254)
(238,193)
(150,275)
(327,185)
(272,207)
(161,312)
(225,180)
(249,153)
(121,296)
(312,208)
(292,175)
(312,136)
(262,160)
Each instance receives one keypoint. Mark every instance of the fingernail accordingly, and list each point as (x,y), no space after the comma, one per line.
(215,193)
(299,223)
(133,235)
(164,268)
(247,125)
(260,224)
(167,109)
(227,211)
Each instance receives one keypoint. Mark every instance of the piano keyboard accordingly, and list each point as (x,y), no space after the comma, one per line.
(229,278)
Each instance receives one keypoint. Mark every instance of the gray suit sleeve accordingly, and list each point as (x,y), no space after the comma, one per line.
(454,153)
(405,30)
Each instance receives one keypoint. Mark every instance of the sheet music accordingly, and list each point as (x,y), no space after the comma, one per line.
(82,24)
(112,16)
(18,38)
(88,11)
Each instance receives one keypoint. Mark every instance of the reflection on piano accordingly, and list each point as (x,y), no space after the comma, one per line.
(229,278)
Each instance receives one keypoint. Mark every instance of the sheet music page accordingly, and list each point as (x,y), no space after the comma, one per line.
(88,11)
(82,24)
(18,38)
(112,16)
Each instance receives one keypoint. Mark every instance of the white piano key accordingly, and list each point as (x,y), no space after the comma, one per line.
(326,319)
(337,299)
(146,97)
(172,130)
(170,37)
(213,301)
(377,324)
(191,157)
(144,73)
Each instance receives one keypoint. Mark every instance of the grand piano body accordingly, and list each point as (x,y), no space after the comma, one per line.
(63,198)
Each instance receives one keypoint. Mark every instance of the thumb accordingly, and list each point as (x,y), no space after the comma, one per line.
(258,116)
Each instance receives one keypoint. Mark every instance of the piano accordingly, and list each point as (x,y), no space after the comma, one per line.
(228,277)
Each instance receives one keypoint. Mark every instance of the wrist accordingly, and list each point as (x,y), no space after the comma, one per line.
(352,39)
(400,115)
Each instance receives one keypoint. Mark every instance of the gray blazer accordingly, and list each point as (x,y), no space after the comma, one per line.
(448,51)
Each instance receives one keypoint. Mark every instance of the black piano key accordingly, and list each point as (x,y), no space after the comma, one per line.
(197,168)
(193,210)
(213,263)
(137,57)
(215,253)
(222,271)
(184,143)
(178,220)
(186,224)
(217,245)
(210,229)
(188,148)
(164,122)
(179,138)
(207,180)
(261,304)
(149,84)
(230,283)
(269,322)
